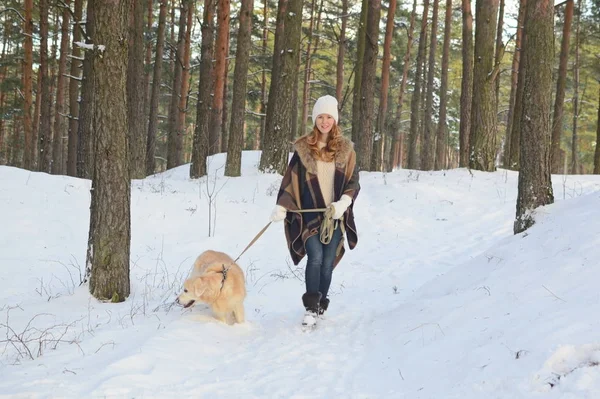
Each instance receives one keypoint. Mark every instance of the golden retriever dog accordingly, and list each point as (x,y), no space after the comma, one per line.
(219,282)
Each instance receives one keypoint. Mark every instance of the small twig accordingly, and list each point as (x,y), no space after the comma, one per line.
(553,294)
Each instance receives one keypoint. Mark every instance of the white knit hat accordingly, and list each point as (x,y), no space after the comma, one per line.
(325,105)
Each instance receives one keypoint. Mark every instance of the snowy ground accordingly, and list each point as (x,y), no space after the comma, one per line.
(439,299)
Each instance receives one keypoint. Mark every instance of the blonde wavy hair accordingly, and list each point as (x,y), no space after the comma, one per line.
(327,153)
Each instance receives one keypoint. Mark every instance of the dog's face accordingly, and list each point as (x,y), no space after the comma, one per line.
(192,291)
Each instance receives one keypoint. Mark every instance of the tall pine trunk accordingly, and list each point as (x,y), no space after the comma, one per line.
(136,91)
(535,186)
(61,82)
(379,140)
(508,142)
(466,92)
(442,129)
(358,71)
(175,137)
(274,157)
(200,145)
(575,139)
(367,86)
(398,142)
(240,81)
(597,152)
(307,70)
(415,102)
(74,90)
(45,124)
(483,117)
(428,147)
(263,81)
(110,234)
(341,53)
(28,147)
(515,137)
(220,73)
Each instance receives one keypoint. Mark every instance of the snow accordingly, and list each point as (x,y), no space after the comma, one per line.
(438,300)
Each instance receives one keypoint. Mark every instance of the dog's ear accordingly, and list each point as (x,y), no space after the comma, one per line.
(199,287)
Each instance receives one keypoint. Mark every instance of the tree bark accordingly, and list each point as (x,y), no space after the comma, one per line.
(561,82)
(201,131)
(85,155)
(61,82)
(535,186)
(515,137)
(155,94)
(45,126)
(136,92)
(358,71)
(274,157)
(499,52)
(397,143)
(341,53)
(483,117)
(240,80)
(175,137)
(74,91)
(263,82)
(307,71)
(466,92)
(367,86)
(381,133)
(508,143)
(28,147)
(111,196)
(185,81)
(413,160)
(428,147)
(597,152)
(220,73)
(575,140)
(442,129)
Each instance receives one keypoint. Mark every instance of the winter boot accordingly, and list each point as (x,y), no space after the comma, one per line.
(323,305)
(311,304)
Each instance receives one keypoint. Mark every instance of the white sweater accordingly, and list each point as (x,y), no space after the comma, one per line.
(326,174)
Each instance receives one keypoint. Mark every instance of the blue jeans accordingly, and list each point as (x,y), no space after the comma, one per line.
(319,266)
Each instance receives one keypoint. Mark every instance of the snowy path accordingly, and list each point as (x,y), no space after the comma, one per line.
(398,325)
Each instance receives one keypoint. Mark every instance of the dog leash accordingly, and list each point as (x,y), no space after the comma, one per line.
(328,226)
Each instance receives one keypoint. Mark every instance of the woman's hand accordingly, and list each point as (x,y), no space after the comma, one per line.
(339,207)
(278,213)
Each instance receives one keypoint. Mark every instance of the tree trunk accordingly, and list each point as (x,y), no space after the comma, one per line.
(201,131)
(111,196)
(274,157)
(341,53)
(216,115)
(508,143)
(377,163)
(307,71)
(413,161)
(367,86)
(85,155)
(45,126)
(59,114)
(136,92)
(575,141)
(224,127)
(263,81)
(499,52)
(28,148)
(240,80)
(185,80)
(147,70)
(74,91)
(428,147)
(398,137)
(535,186)
(3,69)
(442,129)
(515,137)
(175,137)
(358,71)
(483,117)
(466,91)
(155,94)
(561,82)
(597,152)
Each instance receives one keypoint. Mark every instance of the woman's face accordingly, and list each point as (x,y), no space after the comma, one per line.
(325,123)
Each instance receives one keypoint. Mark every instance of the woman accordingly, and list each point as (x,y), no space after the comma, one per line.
(322,173)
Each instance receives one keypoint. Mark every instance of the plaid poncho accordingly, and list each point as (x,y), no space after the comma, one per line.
(300,190)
